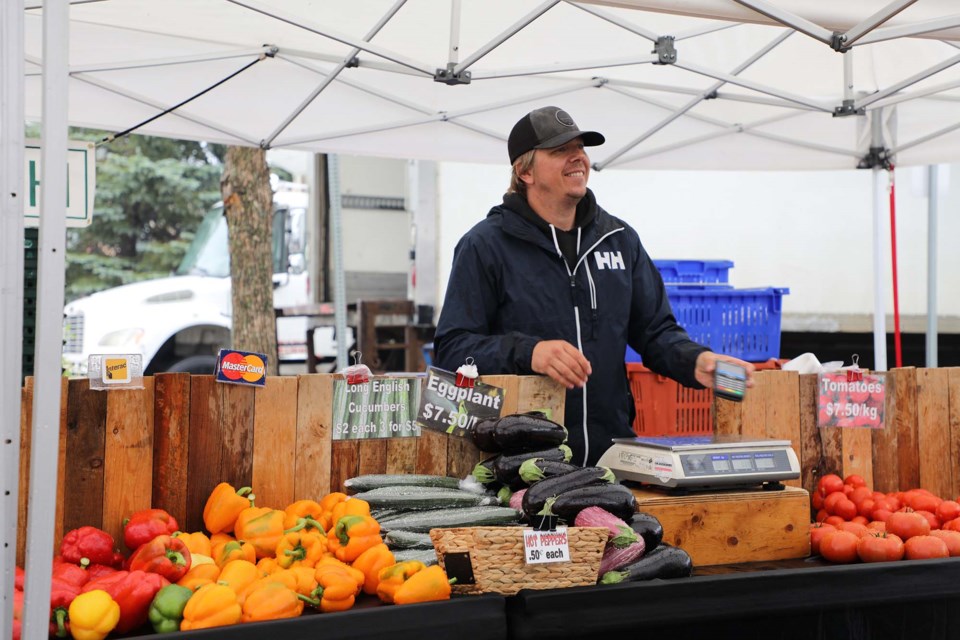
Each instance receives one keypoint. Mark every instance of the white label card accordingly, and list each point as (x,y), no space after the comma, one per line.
(545,546)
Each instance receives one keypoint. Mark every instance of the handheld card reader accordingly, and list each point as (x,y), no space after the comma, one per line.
(729,381)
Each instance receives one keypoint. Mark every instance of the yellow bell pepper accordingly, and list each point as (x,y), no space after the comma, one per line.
(370,562)
(225,552)
(224,505)
(271,601)
(426,585)
(213,605)
(301,509)
(393,577)
(198,543)
(199,575)
(261,527)
(238,575)
(93,615)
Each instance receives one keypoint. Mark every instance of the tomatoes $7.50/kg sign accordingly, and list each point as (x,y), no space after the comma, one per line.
(454,410)
(850,403)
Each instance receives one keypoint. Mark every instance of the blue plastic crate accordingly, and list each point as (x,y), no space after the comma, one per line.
(694,271)
(744,323)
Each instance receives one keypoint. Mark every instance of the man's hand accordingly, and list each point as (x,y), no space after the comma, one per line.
(707,363)
(561,361)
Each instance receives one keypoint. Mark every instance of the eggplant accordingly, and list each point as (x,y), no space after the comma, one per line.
(536,469)
(537,495)
(664,562)
(648,528)
(507,467)
(483,473)
(527,432)
(482,435)
(615,498)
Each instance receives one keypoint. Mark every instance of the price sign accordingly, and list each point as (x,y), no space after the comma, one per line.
(851,403)
(456,410)
(540,547)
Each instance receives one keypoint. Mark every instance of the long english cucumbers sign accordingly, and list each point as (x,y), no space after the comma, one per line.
(81,183)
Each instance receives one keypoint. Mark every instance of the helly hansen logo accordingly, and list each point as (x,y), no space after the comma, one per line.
(609,260)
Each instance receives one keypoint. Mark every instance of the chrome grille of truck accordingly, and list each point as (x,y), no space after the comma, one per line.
(73,333)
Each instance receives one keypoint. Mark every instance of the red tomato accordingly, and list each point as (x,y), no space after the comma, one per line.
(878,495)
(880,546)
(845,509)
(817,531)
(907,524)
(931,518)
(847,490)
(920,500)
(816,500)
(952,538)
(821,515)
(877,525)
(952,525)
(831,500)
(855,480)
(893,503)
(839,546)
(829,484)
(924,547)
(860,520)
(835,520)
(866,508)
(859,494)
(855,528)
(948,510)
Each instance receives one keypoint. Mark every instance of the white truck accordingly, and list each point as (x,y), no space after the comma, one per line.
(180,322)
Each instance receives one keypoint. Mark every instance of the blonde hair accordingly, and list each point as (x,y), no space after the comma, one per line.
(521,165)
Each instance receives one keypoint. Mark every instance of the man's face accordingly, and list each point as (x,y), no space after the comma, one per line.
(559,172)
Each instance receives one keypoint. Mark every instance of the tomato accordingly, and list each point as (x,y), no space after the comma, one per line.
(881,514)
(855,528)
(816,500)
(877,525)
(836,521)
(817,531)
(860,520)
(893,503)
(855,480)
(829,484)
(865,508)
(952,538)
(948,510)
(908,524)
(847,490)
(859,494)
(924,547)
(831,500)
(952,525)
(931,518)
(880,546)
(920,500)
(845,509)
(839,546)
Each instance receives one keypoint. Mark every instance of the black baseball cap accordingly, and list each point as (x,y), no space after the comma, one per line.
(545,128)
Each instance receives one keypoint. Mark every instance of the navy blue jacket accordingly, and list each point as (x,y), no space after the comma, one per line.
(510,288)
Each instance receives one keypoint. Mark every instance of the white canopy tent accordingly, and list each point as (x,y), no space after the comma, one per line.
(689,84)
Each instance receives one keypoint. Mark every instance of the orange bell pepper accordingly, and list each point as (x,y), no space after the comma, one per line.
(262,527)
(330,563)
(271,601)
(336,589)
(224,552)
(301,545)
(327,503)
(350,507)
(213,605)
(352,535)
(370,562)
(196,542)
(426,585)
(199,575)
(306,578)
(280,576)
(217,538)
(393,577)
(301,509)
(266,566)
(224,505)
(238,574)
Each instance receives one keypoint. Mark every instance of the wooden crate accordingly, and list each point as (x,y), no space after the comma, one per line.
(736,526)
(167,445)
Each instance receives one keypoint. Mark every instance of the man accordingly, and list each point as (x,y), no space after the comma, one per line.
(551,283)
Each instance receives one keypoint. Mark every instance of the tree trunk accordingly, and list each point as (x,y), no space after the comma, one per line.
(248,205)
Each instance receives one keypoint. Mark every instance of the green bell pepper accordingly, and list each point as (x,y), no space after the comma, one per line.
(166,610)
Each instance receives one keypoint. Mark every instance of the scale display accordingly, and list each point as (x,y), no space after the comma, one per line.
(701,461)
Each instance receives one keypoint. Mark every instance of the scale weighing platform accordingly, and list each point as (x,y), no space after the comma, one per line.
(702,462)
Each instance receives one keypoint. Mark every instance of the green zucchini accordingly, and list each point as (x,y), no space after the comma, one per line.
(359,484)
(426,556)
(399,539)
(414,498)
(423,521)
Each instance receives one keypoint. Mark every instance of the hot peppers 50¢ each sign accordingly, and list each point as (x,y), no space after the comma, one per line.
(851,403)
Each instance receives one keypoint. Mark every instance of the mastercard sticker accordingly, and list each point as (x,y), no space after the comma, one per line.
(241,367)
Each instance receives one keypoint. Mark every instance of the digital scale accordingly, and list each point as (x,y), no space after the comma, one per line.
(702,462)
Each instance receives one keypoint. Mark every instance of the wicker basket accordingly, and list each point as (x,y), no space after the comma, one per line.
(491,559)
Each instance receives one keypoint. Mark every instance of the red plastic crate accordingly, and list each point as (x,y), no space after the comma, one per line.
(667,408)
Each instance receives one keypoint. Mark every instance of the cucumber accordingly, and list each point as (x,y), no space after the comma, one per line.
(664,562)
(426,556)
(527,432)
(539,492)
(507,467)
(378,481)
(648,528)
(615,498)
(399,539)
(414,498)
(423,521)
(536,469)
(482,436)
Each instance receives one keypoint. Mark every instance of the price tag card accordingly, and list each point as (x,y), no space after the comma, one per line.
(850,403)
(380,408)
(454,410)
(540,547)
(115,371)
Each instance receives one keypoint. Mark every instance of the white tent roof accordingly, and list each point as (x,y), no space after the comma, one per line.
(132,59)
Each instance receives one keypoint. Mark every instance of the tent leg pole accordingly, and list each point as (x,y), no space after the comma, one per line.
(879,293)
(336,250)
(933,188)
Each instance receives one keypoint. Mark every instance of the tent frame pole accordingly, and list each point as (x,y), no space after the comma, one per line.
(923,93)
(914,29)
(755,86)
(165,62)
(869,24)
(879,291)
(926,138)
(508,33)
(933,203)
(903,84)
(788,19)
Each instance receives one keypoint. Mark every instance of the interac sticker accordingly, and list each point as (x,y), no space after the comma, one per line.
(850,403)
(540,547)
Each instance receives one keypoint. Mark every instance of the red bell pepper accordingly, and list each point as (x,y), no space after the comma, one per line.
(165,555)
(133,591)
(62,594)
(70,573)
(95,571)
(17,613)
(18,578)
(144,526)
(89,545)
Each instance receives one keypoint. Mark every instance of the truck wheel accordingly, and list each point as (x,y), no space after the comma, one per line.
(195,364)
